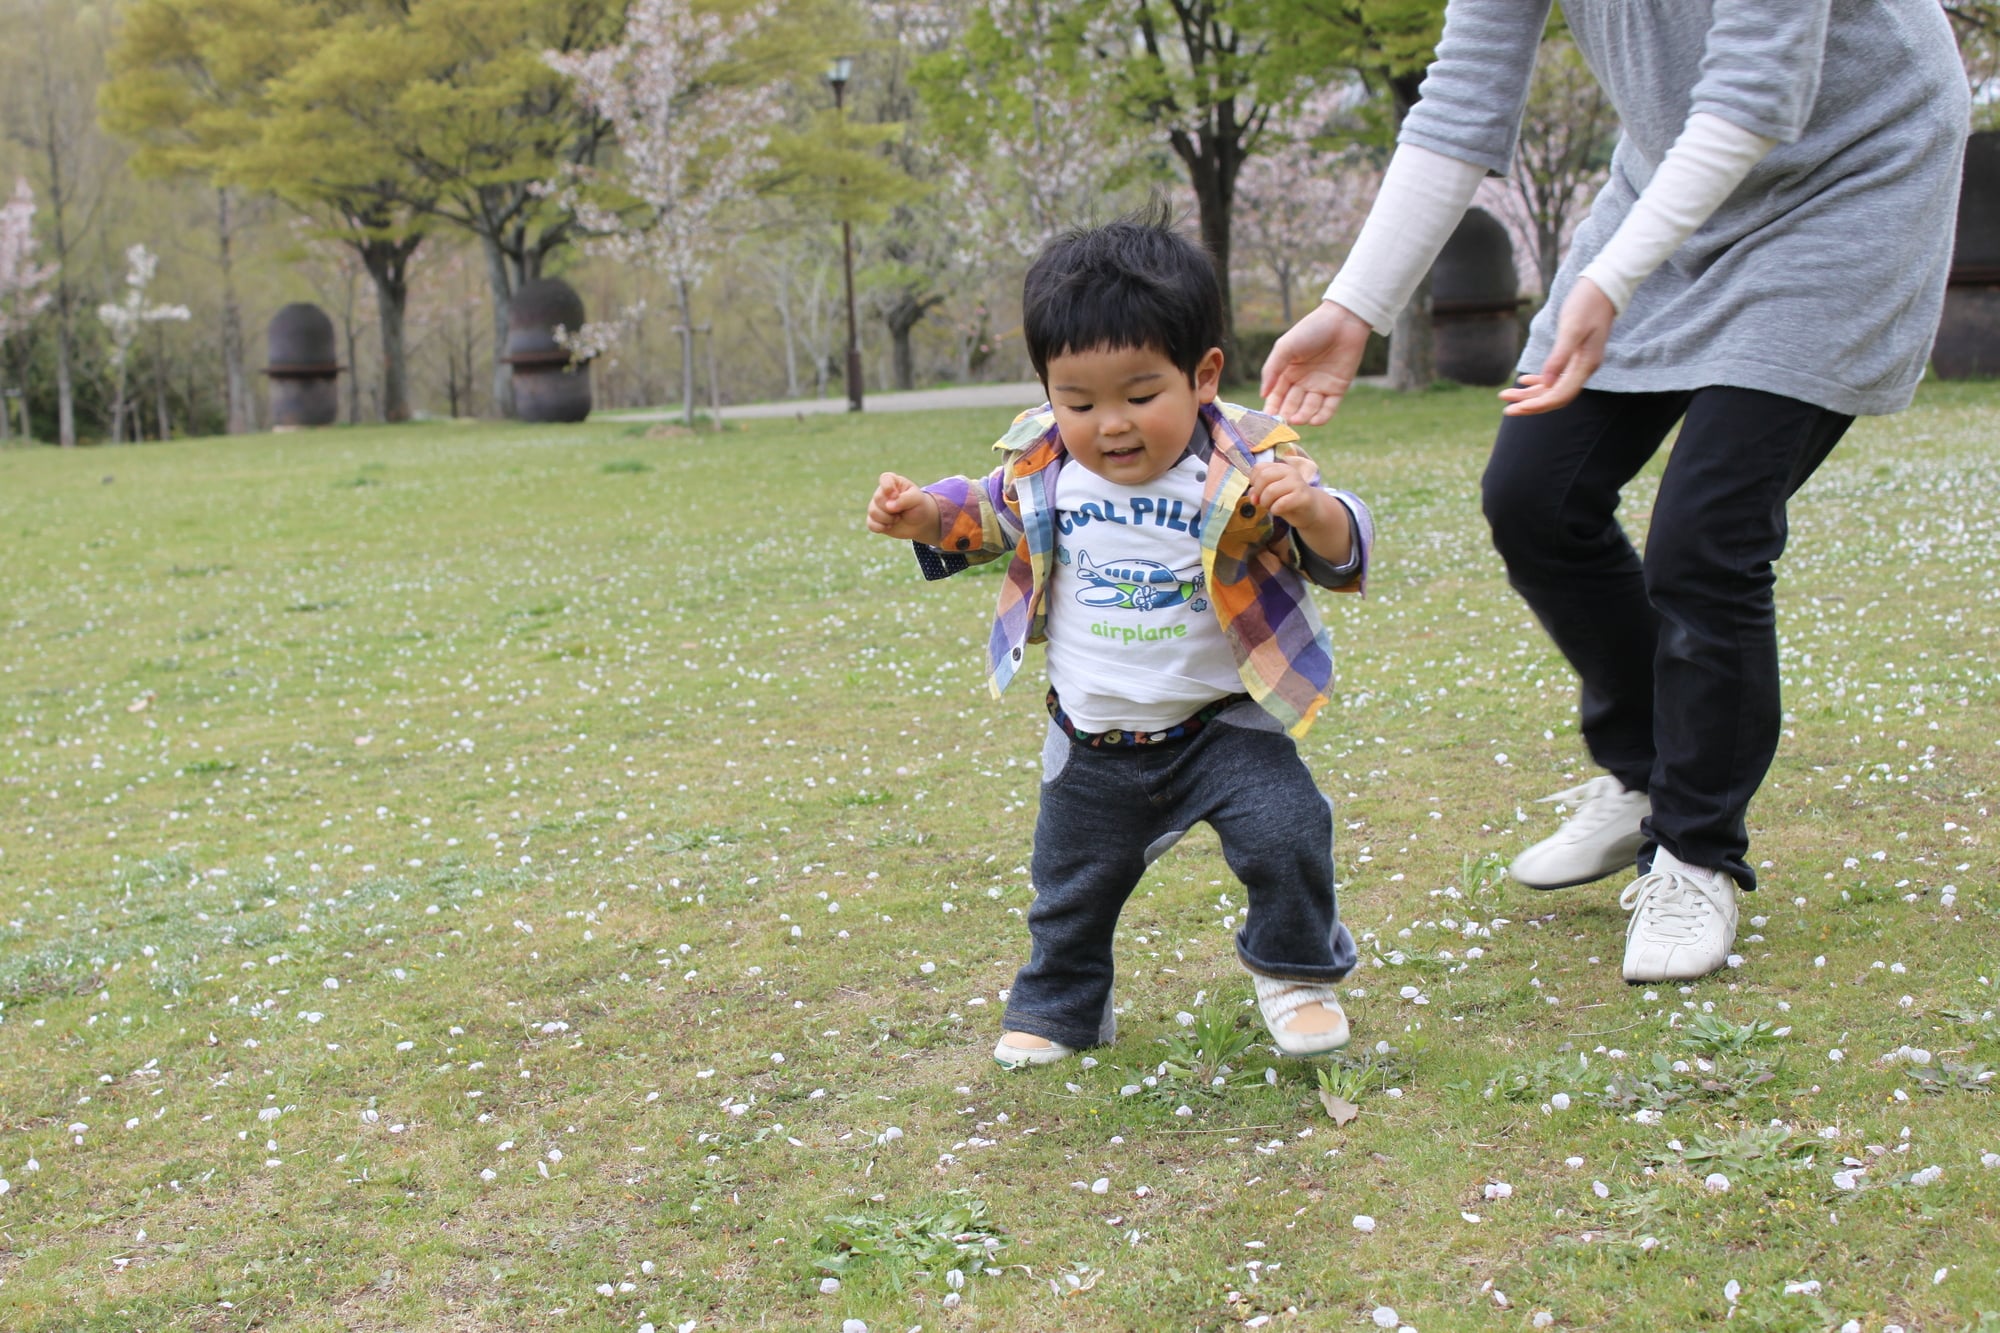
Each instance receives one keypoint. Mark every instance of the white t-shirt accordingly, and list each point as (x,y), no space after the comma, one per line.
(1133,644)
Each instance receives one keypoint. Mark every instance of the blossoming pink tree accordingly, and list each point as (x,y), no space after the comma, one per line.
(1298,209)
(693,133)
(124,319)
(1036,146)
(20,275)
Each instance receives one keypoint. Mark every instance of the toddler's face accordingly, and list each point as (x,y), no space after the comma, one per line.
(1127,413)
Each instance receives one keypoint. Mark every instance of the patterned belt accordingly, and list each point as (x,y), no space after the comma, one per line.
(1180,731)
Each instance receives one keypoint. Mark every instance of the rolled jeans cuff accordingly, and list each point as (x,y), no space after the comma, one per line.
(1343,947)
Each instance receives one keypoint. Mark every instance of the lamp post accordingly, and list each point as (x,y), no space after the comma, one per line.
(837,74)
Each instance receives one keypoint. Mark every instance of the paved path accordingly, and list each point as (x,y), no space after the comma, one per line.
(1027,393)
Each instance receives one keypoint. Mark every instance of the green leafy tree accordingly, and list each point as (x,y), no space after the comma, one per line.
(248,95)
(828,168)
(1028,143)
(1199,75)
(911,254)
(1209,76)
(459,93)
(1976,24)
(1384,45)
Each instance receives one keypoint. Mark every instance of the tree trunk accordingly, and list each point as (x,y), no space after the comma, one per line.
(118,407)
(65,388)
(902,316)
(54,147)
(1412,358)
(353,366)
(160,382)
(1213,164)
(238,411)
(65,391)
(503,307)
(1214,193)
(816,315)
(687,350)
(388,263)
(791,335)
(1548,255)
(902,358)
(390,299)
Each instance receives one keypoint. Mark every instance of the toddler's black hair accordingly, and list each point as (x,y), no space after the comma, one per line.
(1133,283)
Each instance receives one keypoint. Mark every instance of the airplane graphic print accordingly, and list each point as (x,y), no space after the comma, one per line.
(1137,585)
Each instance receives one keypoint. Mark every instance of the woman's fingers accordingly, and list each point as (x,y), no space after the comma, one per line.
(1312,366)
(1581,334)
(1304,407)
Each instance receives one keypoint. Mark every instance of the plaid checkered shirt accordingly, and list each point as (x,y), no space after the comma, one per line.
(1257,574)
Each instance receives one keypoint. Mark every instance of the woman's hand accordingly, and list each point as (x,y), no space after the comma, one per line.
(1582,328)
(1312,367)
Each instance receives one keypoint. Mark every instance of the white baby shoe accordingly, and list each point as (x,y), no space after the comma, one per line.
(1016,1049)
(1297,1033)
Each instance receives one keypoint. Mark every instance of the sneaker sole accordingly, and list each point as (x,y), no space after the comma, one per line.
(1570,883)
(1675,981)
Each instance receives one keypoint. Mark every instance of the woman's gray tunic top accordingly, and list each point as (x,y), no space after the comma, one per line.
(1822,276)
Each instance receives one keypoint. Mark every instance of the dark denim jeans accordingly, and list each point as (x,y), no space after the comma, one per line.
(1678,652)
(1107,814)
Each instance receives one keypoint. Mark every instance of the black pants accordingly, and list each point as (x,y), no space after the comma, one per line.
(1678,653)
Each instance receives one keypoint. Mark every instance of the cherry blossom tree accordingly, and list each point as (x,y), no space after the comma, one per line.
(1029,138)
(1298,209)
(20,276)
(125,318)
(693,134)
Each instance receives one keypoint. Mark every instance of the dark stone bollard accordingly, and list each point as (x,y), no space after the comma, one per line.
(1968,340)
(546,386)
(1474,296)
(304,368)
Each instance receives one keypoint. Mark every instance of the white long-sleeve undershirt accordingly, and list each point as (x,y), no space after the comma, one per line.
(1425,193)
(1703,168)
(1423,196)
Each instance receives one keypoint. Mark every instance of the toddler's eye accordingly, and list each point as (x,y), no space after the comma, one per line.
(1141,402)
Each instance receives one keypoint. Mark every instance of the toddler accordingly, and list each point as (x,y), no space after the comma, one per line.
(1160,543)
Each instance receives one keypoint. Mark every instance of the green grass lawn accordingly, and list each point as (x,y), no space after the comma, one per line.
(504,877)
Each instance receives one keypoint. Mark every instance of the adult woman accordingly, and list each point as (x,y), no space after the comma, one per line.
(1766,262)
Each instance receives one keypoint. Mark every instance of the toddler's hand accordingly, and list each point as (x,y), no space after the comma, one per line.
(1286,488)
(901,509)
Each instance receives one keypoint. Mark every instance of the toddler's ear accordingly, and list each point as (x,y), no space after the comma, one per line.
(1208,375)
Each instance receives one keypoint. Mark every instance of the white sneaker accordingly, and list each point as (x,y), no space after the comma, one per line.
(1600,837)
(1683,921)
(1280,1002)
